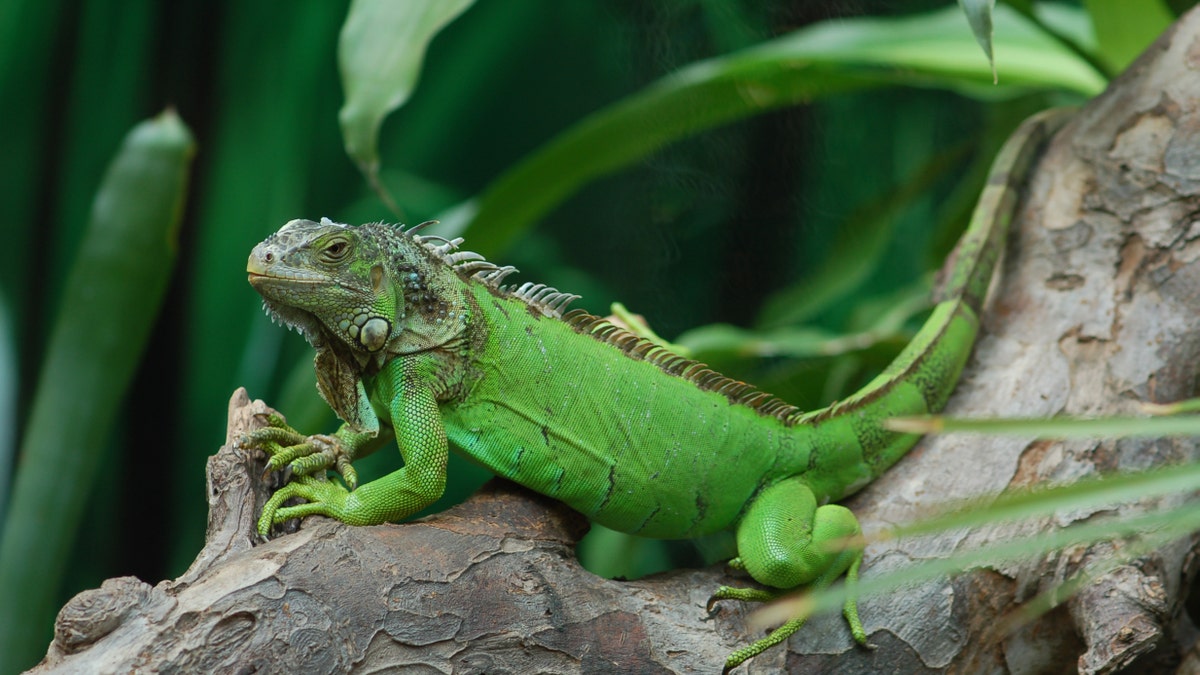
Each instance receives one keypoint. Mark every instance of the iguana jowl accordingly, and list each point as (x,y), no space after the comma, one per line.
(421,341)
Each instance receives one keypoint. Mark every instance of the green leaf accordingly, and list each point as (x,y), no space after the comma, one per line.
(262,166)
(931,50)
(804,342)
(857,247)
(1148,532)
(1190,405)
(112,55)
(1151,530)
(979,17)
(1106,427)
(1044,501)
(380,51)
(8,399)
(723,338)
(29,44)
(1124,29)
(111,298)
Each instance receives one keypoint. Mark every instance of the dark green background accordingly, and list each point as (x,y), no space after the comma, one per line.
(702,231)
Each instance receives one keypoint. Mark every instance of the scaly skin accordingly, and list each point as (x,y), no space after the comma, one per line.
(419,342)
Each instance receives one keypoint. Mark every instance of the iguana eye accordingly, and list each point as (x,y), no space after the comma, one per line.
(335,250)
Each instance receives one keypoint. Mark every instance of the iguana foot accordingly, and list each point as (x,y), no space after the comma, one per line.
(757,647)
(775,637)
(783,632)
(324,498)
(743,594)
(304,455)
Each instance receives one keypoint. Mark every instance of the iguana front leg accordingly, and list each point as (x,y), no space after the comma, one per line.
(785,540)
(418,428)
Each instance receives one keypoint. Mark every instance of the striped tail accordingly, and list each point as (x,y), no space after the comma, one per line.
(975,256)
(923,375)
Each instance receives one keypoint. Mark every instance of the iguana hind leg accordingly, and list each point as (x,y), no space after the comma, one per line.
(785,540)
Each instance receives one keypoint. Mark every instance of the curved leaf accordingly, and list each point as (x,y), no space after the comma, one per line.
(380,51)
(932,50)
(979,17)
(1052,427)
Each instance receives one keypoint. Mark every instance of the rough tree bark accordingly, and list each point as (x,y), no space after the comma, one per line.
(1098,309)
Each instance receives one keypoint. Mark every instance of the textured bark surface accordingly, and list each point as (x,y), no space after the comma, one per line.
(490,586)
(1098,309)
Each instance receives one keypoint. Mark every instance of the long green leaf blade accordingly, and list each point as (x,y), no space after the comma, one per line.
(933,50)
(30,32)
(1153,528)
(8,399)
(1100,427)
(260,172)
(1046,501)
(110,301)
(1158,527)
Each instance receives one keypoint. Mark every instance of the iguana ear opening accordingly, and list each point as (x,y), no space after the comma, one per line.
(374,333)
(377,278)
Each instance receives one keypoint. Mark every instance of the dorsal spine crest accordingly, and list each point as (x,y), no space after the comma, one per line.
(550,302)
(642,349)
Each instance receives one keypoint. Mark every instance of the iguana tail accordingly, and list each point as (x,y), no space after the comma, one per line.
(918,381)
(921,378)
(971,265)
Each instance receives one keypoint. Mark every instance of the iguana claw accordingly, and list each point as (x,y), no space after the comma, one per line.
(775,637)
(743,594)
(783,632)
(304,455)
(323,497)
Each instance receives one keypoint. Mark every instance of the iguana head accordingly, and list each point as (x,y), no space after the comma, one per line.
(374,290)
(360,295)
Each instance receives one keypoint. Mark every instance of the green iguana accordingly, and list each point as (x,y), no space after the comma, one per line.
(417,340)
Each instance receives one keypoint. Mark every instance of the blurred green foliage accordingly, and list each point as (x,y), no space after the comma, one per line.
(805,215)
(125,260)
